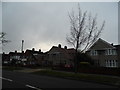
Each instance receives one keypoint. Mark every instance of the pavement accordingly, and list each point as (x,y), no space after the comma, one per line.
(22,80)
(28,70)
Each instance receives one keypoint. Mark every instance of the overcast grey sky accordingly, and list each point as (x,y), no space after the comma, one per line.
(119,22)
(43,25)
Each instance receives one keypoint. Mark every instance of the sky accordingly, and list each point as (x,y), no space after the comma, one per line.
(45,24)
(118,23)
(1,17)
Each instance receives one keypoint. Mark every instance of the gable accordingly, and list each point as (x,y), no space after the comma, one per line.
(67,53)
(53,49)
(101,44)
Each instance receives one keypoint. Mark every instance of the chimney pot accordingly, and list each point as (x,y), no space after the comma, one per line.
(15,51)
(33,49)
(65,47)
(39,50)
(59,45)
(22,51)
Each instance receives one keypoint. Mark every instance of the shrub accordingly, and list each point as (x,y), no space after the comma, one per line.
(83,57)
(84,64)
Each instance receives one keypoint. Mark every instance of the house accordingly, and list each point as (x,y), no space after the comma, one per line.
(5,59)
(34,57)
(30,57)
(58,55)
(105,54)
(17,57)
(41,61)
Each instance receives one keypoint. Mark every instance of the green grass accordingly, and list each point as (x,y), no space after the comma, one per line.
(81,76)
(11,68)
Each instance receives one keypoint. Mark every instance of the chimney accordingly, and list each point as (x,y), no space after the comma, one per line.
(112,44)
(22,51)
(59,45)
(39,50)
(15,51)
(33,49)
(65,47)
(3,52)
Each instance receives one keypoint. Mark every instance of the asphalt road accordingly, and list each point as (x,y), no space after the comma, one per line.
(37,82)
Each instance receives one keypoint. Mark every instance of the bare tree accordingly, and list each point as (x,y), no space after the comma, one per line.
(84,32)
(2,38)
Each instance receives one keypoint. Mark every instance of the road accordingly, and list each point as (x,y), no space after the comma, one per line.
(21,80)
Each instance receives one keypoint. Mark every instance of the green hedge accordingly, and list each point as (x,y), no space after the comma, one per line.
(84,64)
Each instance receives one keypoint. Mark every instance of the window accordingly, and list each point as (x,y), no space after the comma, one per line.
(111,63)
(35,54)
(115,62)
(107,63)
(114,52)
(94,52)
(111,52)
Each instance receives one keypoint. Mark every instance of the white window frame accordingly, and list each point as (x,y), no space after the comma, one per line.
(94,52)
(111,52)
(114,52)
(111,63)
(107,65)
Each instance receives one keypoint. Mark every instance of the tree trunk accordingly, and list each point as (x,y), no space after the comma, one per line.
(76,62)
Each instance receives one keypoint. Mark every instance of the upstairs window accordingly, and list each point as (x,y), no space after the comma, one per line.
(111,52)
(114,52)
(94,52)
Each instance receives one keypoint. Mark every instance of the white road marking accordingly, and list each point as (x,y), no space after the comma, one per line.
(6,79)
(33,87)
(26,85)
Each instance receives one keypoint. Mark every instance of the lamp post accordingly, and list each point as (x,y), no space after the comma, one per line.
(22,51)
(22,45)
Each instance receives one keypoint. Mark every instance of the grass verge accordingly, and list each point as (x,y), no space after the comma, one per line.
(111,80)
(12,68)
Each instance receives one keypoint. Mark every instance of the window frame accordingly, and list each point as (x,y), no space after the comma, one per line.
(111,63)
(110,52)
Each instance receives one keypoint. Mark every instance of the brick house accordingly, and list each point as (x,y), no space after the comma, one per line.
(34,57)
(105,54)
(57,55)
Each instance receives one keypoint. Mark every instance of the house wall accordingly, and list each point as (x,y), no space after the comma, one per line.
(57,56)
(30,58)
(108,55)
(118,55)
(40,59)
(101,57)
